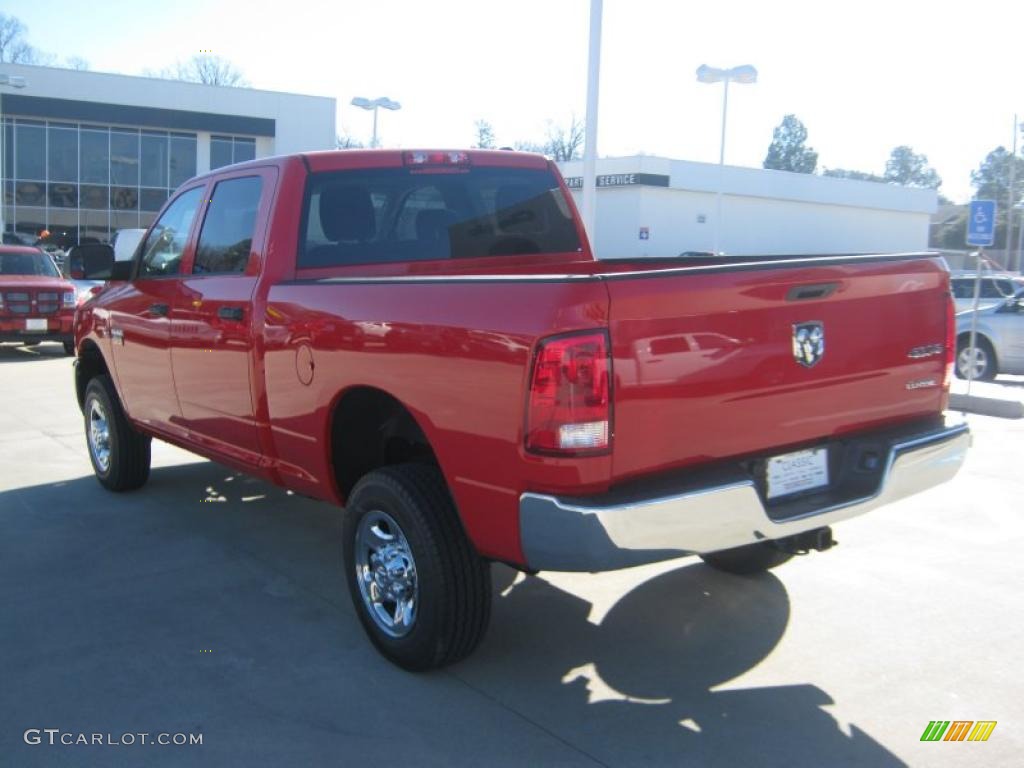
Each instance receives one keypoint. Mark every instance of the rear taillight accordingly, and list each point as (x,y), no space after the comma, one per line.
(950,341)
(569,409)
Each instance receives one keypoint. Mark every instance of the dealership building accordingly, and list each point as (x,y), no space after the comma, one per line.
(88,153)
(655,206)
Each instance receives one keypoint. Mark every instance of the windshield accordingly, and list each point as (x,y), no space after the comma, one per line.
(27,264)
(397,214)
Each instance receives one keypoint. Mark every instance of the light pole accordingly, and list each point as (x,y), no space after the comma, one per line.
(1017,264)
(744,74)
(13,81)
(374,105)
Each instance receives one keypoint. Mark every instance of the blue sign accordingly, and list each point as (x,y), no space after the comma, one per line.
(981,222)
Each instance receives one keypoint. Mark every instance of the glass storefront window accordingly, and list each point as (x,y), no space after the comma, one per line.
(95,196)
(31,221)
(124,158)
(123,220)
(94,226)
(245,149)
(183,159)
(29,193)
(152,199)
(95,155)
(62,154)
(30,152)
(88,180)
(220,152)
(62,195)
(154,160)
(124,198)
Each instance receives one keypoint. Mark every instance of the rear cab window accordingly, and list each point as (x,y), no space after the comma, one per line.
(382,215)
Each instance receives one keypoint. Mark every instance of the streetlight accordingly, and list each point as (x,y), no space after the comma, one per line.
(13,81)
(375,104)
(744,75)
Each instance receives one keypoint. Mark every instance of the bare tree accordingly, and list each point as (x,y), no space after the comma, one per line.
(345,140)
(14,49)
(76,62)
(207,69)
(484,135)
(565,142)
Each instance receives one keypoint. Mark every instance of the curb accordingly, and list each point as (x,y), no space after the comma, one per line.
(987,406)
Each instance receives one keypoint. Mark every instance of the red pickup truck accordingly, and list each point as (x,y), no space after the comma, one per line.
(424,338)
(36,303)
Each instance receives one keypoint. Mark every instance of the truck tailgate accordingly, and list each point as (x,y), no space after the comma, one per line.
(706,366)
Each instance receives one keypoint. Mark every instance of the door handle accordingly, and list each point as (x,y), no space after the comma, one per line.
(231,313)
(160,310)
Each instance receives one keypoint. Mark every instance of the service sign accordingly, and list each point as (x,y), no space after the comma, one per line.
(621,180)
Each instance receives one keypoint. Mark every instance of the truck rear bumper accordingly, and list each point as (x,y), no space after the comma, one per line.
(724,510)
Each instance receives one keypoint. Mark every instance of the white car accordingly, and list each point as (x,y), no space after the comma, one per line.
(999,343)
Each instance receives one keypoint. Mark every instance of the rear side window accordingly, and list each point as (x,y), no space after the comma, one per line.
(394,214)
(226,237)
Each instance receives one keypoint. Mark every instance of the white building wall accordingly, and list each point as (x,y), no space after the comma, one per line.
(764,212)
(302,123)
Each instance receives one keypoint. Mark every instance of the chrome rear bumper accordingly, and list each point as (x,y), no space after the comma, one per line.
(606,533)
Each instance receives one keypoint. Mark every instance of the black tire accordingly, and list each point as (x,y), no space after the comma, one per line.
(69,348)
(453,583)
(747,560)
(986,355)
(128,457)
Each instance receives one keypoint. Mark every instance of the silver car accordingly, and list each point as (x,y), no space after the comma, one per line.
(999,345)
(994,289)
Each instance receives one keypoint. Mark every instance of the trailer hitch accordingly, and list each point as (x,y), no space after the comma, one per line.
(818,539)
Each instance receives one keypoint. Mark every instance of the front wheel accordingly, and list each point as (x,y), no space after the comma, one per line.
(422,593)
(120,456)
(747,560)
(982,357)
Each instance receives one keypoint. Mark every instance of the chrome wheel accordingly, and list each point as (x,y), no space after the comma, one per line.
(972,357)
(99,435)
(386,573)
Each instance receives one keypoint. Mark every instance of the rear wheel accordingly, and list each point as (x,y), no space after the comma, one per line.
(120,456)
(747,560)
(982,358)
(422,593)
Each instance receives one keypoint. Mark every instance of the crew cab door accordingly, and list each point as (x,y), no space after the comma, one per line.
(140,317)
(212,332)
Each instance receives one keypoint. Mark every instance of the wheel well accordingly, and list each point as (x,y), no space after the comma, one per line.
(90,363)
(371,429)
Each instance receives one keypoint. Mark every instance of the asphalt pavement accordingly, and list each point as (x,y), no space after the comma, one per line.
(212,604)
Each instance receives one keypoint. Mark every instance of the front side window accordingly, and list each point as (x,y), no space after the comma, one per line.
(396,214)
(165,243)
(226,237)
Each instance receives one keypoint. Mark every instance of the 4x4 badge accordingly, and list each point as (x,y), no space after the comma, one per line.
(808,343)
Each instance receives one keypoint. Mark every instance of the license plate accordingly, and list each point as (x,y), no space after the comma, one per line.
(795,472)
(35,324)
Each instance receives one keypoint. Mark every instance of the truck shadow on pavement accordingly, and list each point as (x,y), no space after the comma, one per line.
(16,353)
(113,600)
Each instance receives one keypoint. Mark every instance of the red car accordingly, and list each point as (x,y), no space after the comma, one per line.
(424,338)
(36,303)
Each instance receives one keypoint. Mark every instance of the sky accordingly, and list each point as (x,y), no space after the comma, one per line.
(864,77)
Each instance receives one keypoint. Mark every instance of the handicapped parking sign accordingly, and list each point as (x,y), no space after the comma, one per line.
(981,222)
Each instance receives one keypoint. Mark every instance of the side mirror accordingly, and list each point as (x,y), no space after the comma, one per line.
(94,261)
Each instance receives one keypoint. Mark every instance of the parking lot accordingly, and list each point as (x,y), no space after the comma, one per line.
(210,603)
